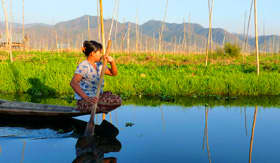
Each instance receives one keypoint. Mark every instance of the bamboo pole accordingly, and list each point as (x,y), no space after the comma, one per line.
(244,33)
(209,42)
(189,43)
(162,28)
(98,21)
(264,40)
(253,134)
(257,38)
(90,126)
(248,27)
(23,37)
(128,39)
(185,37)
(116,27)
(8,37)
(88,29)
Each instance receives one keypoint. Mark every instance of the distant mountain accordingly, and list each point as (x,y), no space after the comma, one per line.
(73,32)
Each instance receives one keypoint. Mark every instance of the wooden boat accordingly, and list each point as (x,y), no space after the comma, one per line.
(14,108)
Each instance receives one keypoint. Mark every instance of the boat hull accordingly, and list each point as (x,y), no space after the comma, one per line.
(11,108)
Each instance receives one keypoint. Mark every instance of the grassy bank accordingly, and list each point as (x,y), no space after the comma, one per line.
(165,76)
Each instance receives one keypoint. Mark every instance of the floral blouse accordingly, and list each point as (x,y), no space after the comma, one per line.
(90,80)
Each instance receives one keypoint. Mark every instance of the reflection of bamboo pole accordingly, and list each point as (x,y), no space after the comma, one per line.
(110,117)
(205,137)
(252,136)
(245,119)
(22,154)
(162,117)
(257,38)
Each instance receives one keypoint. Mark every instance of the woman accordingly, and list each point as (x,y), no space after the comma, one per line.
(87,75)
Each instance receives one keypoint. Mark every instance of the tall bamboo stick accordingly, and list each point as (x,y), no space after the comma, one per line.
(244,33)
(248,27)
(209,42)
(189,43)
(128,38)
(23,37)
(162,28)
(184,44)
(88,29)
(257,38)
(98,21)
(8,37)
(136,33)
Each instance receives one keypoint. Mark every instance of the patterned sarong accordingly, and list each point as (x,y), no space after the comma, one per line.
(106,103)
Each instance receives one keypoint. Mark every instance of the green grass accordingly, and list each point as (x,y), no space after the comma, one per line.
(164,76)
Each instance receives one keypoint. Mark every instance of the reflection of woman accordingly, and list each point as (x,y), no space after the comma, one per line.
(91,149)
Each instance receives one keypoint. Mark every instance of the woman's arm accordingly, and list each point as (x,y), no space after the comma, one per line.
(75,84)
(113,71)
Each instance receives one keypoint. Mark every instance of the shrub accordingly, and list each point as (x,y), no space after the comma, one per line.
(232,50)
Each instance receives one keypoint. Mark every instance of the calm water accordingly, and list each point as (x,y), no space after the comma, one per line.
(152,135)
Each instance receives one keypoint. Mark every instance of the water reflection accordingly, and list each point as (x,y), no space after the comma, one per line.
(39,128)
(23,149)
(245,121)
(92,148)
(205,137)
(252,135)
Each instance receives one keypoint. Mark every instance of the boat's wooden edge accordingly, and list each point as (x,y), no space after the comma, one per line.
(44,110)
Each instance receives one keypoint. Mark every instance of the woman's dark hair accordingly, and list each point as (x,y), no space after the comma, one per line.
(91,46)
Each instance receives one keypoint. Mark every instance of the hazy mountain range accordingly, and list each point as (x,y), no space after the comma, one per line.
(72,33)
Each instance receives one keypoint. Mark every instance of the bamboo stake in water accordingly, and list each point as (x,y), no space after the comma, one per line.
(257,38)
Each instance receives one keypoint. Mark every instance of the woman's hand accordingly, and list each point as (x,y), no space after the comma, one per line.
(109,59)
(91,100)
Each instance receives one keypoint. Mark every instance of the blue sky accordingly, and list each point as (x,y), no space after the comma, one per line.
(227,14)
